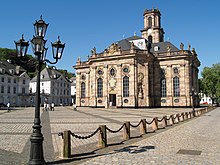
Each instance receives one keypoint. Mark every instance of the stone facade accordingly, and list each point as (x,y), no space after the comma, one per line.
(139,72)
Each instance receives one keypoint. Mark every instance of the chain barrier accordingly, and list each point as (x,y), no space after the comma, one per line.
(175,116)
(160,120)
(85,137)
(151,121)
(134,126)
(169,117)
(112,131)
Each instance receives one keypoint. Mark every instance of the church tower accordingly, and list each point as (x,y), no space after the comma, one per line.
(152,26)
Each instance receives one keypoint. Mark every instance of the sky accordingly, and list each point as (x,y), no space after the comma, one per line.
(84,24)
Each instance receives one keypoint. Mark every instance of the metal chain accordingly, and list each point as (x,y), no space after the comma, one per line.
(112,131)
(134,126)
(150,122)
(160,120)
(85,137)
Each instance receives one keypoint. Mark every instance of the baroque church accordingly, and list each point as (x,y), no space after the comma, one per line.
(138,71)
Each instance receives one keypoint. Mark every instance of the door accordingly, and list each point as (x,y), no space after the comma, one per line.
(112,99)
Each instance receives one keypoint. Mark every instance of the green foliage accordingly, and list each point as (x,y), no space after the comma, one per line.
(211,81)
(28,62)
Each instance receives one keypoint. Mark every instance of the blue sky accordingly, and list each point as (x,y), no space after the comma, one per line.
(85,24)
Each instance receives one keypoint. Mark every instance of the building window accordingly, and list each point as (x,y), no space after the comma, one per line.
(9,80)
(100,87)
(3,79)
(23,90)
(9,89)
(43,91)
(2,89)
(176,86)
(100,72)
(24,82)
(149,21)
(125,70)
(15,80)
(175,70)
(83,90)
(112,72)
(163,88)
(126,86)
(14,90)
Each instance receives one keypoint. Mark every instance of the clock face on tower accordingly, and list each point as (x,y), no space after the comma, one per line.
(149,31)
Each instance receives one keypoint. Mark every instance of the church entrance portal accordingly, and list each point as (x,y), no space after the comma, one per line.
(112,99)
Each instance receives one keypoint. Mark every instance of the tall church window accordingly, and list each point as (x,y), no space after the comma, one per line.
(126,86)
(149,21)
(83,90)
(100,87)
(176,86)
(163,88)
(163,83)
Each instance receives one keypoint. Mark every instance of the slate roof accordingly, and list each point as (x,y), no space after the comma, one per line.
(8,66)
(49,74)
(162,46)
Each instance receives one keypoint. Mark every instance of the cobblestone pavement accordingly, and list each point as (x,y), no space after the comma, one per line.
(161,148)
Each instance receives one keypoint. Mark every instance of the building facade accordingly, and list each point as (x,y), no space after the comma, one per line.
(138,71)
(54,87)
(14,83)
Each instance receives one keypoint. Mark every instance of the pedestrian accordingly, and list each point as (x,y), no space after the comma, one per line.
(48,106)
(52,106)
(74,107)
(8,107)
(45,106)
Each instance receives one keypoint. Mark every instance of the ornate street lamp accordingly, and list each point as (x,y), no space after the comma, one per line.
(38,45)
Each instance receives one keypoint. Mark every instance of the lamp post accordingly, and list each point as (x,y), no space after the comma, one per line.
(38,44)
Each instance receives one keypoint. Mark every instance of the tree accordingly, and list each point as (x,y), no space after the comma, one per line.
(211,81)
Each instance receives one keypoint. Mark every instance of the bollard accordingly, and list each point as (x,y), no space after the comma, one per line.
(164,122)
(102,142)
(143,128)
(155,124)
(126,130)
(171,120)
(66,144)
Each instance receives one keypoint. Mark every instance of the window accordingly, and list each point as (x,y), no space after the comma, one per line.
(126,86)
(9,80)
(149,21)
(125,70)
(100,72)
(2,89)
(83,90)
(163,88)
(100,87)
(23,90)
(176,87)
(112,72)
(3,79)
(14,90)
(43,91)
(175,70)
(15,80)
(24,82)
(9,89)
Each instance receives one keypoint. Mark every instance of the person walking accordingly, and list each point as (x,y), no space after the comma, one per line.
(52,106)
(8,107)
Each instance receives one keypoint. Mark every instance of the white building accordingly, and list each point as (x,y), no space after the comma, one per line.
(54,87)
(14,83)
(205,99)
(73,89)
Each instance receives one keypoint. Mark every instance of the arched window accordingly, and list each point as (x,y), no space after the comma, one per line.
(176,86)
(163,88)
(100,87)
(149,21)
(150,39)
(126,86)
(83,90)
